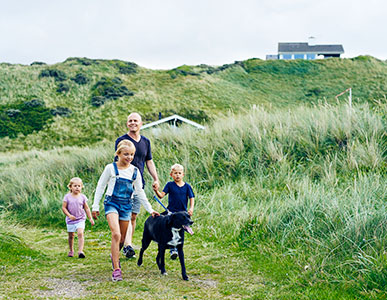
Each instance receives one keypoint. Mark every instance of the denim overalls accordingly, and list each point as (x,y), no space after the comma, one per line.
(120,201)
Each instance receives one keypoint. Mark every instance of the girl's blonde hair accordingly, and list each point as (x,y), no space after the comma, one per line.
(72,180)
(177,167)
(124,144)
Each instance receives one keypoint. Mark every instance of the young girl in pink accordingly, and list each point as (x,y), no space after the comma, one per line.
(75,208)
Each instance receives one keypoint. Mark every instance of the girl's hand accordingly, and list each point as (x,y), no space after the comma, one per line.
(92,222)
(95,214)
(72,218)
(155,214)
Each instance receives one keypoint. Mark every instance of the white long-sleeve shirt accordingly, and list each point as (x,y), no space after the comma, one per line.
(108,178)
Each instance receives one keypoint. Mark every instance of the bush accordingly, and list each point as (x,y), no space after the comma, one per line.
(183,70)
(38,63)
(34,103)
(126,67)
(313,92)
(109,89)
(98,101)
(82,60)
(80,79)
(61,111)
(57,74)
(63,88)
(23,117)
(12,112)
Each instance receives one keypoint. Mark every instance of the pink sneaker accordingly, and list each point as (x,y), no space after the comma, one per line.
(117,275)
(71,254)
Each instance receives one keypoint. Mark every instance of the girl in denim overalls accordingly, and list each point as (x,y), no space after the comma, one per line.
(121,179)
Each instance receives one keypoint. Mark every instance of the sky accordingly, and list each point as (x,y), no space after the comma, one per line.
(164,34)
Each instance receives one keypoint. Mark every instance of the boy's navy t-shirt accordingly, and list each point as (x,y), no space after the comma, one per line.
(143,152)
(178,196)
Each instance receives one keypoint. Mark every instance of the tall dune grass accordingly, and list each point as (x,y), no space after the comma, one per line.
(310,183)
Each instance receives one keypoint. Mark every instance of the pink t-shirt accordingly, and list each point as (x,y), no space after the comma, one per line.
(75,207)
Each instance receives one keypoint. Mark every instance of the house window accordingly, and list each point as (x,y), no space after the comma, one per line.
(287,56)
(311,56)
(298,56)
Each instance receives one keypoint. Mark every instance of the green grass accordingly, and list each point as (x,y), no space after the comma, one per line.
(294,196)
(290,184)
(193,92)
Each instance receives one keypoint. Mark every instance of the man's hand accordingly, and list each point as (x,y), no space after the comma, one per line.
(155,185)
(155,214)
(190,212)
(95,214)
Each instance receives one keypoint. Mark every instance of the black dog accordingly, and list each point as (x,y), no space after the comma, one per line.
(168,232)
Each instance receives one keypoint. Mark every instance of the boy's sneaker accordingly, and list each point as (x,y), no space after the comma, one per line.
(117,275)
(81,255)
(174,253)
(129,251)
(71,254)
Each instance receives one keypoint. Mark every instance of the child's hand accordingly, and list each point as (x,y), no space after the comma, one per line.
(190,212)
(92,222)
(95,214)
(72,218)
(155,214)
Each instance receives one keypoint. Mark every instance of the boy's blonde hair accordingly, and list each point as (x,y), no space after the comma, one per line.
(124,144)
(177,167)
(72,180)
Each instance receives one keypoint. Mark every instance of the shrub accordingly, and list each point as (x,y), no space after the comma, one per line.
(98,101)
(314,92)
(63,88)
(12,112)
(38,63)
(61,111)
(34,103)
(80,79)
(183,70)
(109,89)
(82,60)
(126,67)
(23,117)
(57,74)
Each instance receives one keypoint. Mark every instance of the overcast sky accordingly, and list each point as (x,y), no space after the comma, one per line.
(164,34)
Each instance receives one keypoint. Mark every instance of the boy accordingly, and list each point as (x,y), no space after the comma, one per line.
(178,194)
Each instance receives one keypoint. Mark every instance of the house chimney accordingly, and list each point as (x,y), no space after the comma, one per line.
(311,41)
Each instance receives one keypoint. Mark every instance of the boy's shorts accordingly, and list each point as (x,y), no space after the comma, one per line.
(122,208)
(74,227)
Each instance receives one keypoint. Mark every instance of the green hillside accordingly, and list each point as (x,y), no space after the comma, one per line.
(290,184)
(82,101)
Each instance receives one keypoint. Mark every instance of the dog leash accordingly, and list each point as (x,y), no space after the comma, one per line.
(160,203)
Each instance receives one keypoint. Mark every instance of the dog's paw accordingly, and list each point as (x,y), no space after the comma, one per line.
(164,274)
(139,263)
(185,278)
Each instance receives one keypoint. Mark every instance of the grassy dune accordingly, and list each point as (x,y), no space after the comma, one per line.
(201,93)
(296,197)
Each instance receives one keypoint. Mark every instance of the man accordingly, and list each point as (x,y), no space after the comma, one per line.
(142,157)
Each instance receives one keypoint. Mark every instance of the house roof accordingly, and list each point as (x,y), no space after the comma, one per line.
(306,48)
(173,118)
